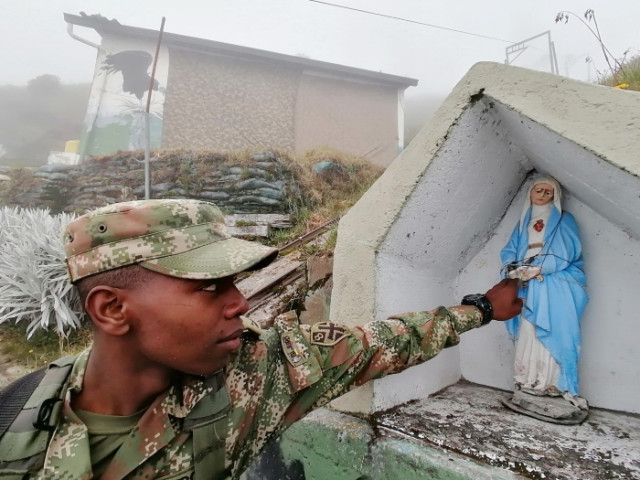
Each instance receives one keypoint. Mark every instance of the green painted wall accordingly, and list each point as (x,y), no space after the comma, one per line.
(331,445)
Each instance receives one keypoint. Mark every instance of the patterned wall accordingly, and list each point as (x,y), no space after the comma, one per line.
(221,104)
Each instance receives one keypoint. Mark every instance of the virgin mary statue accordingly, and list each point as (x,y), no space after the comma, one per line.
(545,253)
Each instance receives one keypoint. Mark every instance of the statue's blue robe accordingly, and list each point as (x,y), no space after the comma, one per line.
(554,305)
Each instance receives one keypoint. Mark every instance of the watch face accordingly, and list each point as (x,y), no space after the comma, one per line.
(474,297)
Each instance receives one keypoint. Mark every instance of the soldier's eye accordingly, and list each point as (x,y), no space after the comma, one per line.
(211,287)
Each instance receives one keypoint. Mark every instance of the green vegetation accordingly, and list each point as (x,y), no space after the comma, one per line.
(42,347)
(40,314)
(327,194)
(34,289)
(626,77)
(623,73)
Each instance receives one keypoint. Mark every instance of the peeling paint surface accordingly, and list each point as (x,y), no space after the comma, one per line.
(469,419)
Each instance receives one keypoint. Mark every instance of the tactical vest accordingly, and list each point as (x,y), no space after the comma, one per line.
(23,446)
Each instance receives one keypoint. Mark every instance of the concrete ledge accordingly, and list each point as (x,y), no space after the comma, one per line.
(462,432)
(331,445)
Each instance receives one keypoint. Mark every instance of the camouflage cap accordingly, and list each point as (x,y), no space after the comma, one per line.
(179,238)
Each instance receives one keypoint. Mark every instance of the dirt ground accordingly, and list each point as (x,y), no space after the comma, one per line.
(9,371)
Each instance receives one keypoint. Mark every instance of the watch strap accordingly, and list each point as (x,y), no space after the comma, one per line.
(482,303)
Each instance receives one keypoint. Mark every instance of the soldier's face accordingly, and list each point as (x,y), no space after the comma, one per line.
(191,326)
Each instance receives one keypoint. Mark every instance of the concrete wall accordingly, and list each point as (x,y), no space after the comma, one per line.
(444,222)
(610,365)
(358,118)
(446,206)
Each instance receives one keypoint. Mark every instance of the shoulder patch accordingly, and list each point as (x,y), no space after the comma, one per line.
(328,334)
(291,351)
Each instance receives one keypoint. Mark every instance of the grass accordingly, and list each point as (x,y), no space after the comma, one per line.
(324,195)
(43,347)
(622,73)
(626,77)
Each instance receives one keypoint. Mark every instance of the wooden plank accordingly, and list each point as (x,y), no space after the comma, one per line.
(249,231)
(274,220)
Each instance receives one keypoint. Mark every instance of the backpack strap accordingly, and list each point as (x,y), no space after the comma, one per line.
(208,422)
(14,396)
(23,444)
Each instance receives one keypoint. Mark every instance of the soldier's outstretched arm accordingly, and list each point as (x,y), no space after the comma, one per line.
(389,346)
(295,368)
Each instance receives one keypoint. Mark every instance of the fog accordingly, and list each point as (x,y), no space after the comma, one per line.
(35,42)
(435,42)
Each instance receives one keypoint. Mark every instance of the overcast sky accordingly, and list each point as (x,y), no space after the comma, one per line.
(34,41)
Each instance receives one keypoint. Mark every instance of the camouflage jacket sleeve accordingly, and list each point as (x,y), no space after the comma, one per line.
(292,369)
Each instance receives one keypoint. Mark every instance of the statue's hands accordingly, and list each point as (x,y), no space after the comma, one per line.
(531,272)
(504,299)
(524,273)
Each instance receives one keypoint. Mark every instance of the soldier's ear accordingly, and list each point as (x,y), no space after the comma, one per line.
(106,307)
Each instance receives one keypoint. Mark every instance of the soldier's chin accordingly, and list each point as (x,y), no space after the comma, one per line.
(206,370)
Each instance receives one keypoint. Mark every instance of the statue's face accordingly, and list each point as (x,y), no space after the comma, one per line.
(541,194)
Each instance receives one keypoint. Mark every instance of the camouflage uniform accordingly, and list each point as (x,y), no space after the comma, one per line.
(160,235)
(275,379)
(277,376)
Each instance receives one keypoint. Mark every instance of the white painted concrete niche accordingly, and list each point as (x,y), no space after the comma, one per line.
(446,242)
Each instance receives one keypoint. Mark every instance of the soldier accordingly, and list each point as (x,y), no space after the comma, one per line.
(178,383)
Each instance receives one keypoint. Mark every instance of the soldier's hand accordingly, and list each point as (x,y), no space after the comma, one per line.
(504,299)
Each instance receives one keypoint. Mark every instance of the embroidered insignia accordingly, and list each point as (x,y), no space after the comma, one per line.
(327,334)
(538,226)
(291,351)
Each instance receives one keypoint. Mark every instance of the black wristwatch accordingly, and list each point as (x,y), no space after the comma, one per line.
(483,304)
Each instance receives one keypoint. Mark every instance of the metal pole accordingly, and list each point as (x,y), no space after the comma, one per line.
(552,55)
(147,123)
(555,58)
(147,148)
(521,47)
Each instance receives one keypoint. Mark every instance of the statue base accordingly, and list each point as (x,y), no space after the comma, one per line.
(549,409)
